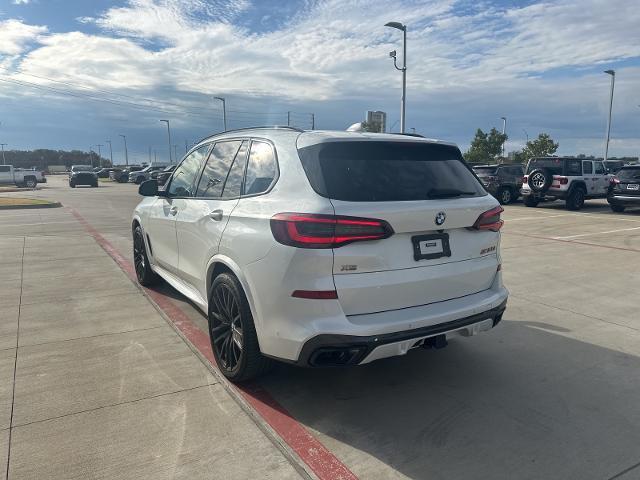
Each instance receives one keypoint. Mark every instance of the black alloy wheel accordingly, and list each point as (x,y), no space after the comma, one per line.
(31,182)
(575,201)
(505,196)
(232,332)
(146,277)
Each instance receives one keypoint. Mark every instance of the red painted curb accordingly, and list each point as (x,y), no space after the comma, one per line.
(319,459)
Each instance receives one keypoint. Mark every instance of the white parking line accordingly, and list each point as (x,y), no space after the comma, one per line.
(596,233)
(509,220)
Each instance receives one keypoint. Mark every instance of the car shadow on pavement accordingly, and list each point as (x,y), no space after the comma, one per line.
(517,402)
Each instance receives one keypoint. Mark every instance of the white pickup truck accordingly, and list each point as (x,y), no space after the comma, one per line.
(20,177)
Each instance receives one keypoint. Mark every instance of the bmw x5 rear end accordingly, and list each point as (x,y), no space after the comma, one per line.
(376,244)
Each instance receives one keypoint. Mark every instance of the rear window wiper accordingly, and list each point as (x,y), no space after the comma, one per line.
(446,193)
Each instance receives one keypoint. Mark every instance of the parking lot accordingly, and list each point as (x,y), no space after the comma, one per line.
(99,379)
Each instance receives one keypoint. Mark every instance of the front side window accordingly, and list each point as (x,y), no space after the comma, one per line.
(184,177)
(217,168)
(587,168)
(5,168)
(599,168)
(262,169)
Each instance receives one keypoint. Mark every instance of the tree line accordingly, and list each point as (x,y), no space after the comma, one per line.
(41,159)
(487,148)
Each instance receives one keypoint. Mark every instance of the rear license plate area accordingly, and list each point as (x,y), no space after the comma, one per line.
(428,247)
(633,186)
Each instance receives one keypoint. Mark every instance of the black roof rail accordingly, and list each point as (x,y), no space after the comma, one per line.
(409,134)
(265,127)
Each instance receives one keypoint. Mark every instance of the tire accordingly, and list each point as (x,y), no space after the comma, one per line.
(146,277)
(238,358)
(539,180)
(138,180)
(617,208)
(30,182)
(72,185)
(95,185)
(530,201)
(505,195)
(575,201)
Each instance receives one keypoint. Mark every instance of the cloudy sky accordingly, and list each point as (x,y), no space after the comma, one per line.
(75,73)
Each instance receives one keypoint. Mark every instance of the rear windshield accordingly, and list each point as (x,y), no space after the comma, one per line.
(557,166)
(387,171)
(484,171)
(81,168)
(629,174)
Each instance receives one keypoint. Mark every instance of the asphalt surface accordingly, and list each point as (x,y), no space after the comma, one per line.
(552,392)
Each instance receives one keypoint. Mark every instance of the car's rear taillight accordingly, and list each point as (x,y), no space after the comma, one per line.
(614,181)
(306,230)
(490,220)
(524,179)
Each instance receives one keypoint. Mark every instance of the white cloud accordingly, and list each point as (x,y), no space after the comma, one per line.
(15,35)
(21,2)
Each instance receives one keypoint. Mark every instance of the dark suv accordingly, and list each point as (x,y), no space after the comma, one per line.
(502,181)
(624,189)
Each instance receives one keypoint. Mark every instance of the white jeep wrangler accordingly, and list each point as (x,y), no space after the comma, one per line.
(573,180)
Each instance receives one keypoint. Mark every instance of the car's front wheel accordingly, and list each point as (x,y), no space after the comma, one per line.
(575,201)
(31,182)
(531,201)
(233,335)
(617,208)
(146,277)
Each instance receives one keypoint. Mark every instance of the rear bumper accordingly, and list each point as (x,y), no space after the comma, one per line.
(365,349)
(547,195)
(624,200)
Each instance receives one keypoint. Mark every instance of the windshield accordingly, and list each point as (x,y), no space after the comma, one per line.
(386,171)
(81,168)
(485,171)
(629,174)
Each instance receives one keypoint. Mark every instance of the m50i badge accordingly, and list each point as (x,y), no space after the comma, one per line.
(348,268)
(488,250)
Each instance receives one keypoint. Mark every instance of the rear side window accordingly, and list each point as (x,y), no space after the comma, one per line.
(184,177)
(262,168)
(629,174)
(555,165)
(485,171)
(587,167)
(4,168)
(573,168)
(387,171)
(233,185)
(217,168)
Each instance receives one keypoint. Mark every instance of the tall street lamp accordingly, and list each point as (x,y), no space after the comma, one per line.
(110,151)
(525,132)
(613,82)
(126,153)
(504,131)
(99,155)
(392,54)
(2,145)
(224,111)
(169,133)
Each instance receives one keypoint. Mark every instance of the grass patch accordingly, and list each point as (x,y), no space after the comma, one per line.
(17,201)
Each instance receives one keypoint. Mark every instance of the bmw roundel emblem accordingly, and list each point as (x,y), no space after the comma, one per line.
(440,218)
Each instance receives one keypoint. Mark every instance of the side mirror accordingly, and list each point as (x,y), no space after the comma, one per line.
(148,188)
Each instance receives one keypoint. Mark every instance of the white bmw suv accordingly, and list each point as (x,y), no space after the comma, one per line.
(324,248)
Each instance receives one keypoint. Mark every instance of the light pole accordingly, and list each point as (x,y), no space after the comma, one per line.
(110,151)
(175,152)
(169,133)
(613,82)
(4,162)
(525,132)
(99,155)
(392,54)
(126,153)
(224,111)
(504,131)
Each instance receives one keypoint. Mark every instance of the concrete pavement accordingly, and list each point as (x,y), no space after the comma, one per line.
(104,387)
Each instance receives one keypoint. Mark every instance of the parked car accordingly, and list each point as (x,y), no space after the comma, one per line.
(123,175)
(324,248)
(624,189)
(82,175)
(105,172)
(19,177)
(164,175)
(613,166)
(502,181)
(139,176)
(560,178)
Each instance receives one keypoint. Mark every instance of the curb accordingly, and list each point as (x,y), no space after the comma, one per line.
(31,207)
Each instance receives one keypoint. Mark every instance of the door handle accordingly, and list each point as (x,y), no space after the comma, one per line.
(173,210)
(216,215)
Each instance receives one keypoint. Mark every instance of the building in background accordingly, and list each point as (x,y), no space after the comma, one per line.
(376,121)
